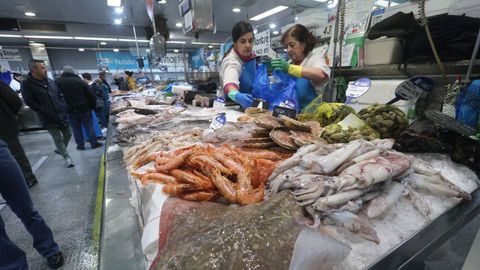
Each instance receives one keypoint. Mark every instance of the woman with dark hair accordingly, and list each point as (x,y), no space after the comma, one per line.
(238,67)
(307,63)
(132,84)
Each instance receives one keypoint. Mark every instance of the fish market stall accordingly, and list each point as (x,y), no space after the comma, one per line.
(209,196)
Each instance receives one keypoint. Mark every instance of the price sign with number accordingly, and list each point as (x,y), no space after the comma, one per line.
(413,88)
(218,122)
(357,88)
(219,103)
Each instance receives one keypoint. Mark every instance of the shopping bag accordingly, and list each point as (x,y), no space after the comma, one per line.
(276,89)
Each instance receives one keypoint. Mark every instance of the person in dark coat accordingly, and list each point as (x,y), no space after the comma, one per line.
(10,105)
(97,88)
(15,193)
(42,95)
(106,91)
(80,101)
(120,81)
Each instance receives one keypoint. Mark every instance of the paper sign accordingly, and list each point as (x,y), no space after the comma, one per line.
(262,43)
(277,111)
(414,88)
(357,88)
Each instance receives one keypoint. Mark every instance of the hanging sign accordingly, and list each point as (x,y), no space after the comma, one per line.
(357,88)
(262,43)
(10,55)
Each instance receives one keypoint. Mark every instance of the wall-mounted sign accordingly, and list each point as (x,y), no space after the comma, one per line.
(262,43)
(172,62)
(118,61)
(10,55)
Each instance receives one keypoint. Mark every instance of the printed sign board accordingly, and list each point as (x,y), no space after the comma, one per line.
(262,43)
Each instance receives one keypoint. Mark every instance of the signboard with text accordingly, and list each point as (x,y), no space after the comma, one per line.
(173,62)
(262,43)
(10,55)
(118,61)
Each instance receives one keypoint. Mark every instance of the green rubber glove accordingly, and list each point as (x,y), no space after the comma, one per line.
(281,64)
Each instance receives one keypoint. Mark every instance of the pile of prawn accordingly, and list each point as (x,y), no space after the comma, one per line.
(206,172)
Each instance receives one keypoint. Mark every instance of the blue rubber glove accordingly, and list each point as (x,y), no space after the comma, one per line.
(281,64)
(245,100)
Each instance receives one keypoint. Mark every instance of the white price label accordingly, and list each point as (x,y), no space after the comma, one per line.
(219,103)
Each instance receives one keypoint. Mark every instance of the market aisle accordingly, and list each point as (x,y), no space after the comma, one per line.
(65,197)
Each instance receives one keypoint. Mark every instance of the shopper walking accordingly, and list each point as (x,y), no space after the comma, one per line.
(15,193)
(10,105)
(42,95)
(80,101)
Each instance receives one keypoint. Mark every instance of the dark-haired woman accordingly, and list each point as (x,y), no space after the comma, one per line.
(309,65)
(238,67)
(132,84)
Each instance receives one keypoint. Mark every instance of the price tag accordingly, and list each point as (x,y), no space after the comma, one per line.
(219,103)
(277,111)
(287,108)
(414,88)
(259,103)
(218,122)
(357,88)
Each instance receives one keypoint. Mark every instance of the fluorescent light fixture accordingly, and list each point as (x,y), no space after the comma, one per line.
(96,38)
(275,32)
(115,50)
(176,42)
(272,25)
(14,36)
(200,43)
(332,4)
(103,43)
(114,3)
(119,10)
(255,30)
(162,1)
(117,21)
(210,46)
(236,10)
(175,50)
(268,13)
(49,37)
(41,49)
(178,24)
(81,49)
(30,14)
(321,1)
(133,40)
(296,18)
(148,50)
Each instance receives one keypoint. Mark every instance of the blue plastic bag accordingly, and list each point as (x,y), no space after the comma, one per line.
(281,88)
(468,108)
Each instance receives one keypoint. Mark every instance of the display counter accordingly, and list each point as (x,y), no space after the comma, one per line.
(126,201)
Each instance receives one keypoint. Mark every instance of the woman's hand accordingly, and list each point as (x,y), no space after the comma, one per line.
(281,64)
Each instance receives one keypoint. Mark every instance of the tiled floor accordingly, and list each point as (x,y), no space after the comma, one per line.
(65,197)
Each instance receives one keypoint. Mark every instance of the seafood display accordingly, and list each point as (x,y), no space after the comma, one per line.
(325,113)
(204,172)
(334,180)
(343,182)
(388,120)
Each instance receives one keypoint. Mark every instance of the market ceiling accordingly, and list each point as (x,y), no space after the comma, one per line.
(94,18)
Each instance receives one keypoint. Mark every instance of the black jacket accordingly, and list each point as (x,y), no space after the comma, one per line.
(78,95)
(45,99)
(105,83)
(121,83)
(10,105)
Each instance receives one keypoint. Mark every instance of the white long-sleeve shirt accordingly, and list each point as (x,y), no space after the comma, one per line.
(317,58)
(230,71)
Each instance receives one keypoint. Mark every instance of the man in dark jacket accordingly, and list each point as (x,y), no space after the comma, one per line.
(80,102)
(10,105)
(42,95)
